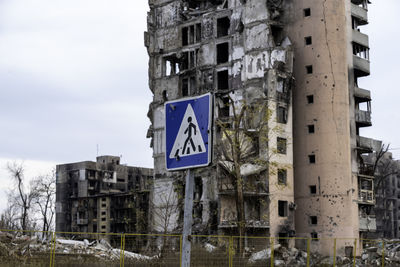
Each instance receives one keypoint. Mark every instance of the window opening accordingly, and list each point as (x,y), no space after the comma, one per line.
(222,53)
(282,115)
(310,99)
(223,80)
(308,40)
(311,128)
(282,208)
(223,25)
(281,145)
(313,220)
(307,12)
(313,189)
(282,176)
(277,34)
(309,69)
(311,159)
(198,32)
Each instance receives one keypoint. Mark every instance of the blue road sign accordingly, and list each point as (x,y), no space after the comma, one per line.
(188,132)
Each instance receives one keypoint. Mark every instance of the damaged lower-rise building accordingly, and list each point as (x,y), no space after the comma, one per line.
(302,61)
(102,197)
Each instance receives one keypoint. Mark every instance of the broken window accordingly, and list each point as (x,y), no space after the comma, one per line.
(198,33)
(361,51)
(307,12)
(281,115)
(224,109)
(281,145)
(308,40)
(222,53)
(313,189)
(191,34)
(311,159)
(223,25)
(309,69)
(188,85)
(277,34)
(282,208)
(310,99)
(223,80)
(311,128)
(282,176)
(185,31)
(313,220)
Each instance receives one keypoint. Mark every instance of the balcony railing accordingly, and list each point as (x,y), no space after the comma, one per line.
(81,221)
(360,12)
(361,66)
(363,95)
(368,144)
(363,118)
(367,223)
(366,196)
(249,224)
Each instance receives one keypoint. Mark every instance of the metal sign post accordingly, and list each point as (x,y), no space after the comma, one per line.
(188,145)
(187,219)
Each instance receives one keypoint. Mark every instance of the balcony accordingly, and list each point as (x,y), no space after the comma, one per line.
(360,38)
(363,118)
(362,95)
(360,13)
(367,223)
(255,224)
(361,66)
(366,197)
(368,145)
(81,221)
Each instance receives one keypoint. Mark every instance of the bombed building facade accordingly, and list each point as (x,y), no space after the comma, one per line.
(102,197)
(301,59)
(238,52)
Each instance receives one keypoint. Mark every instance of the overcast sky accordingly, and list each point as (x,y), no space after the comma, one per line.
(73,76)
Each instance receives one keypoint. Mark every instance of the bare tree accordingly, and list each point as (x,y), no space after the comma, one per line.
(43,190)
(8,219)
(249,124)
(383,168)
(22,198)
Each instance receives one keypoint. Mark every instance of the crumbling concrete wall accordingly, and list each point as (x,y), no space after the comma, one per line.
(234,49)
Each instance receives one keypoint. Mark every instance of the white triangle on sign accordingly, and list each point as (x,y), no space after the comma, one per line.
(188,141)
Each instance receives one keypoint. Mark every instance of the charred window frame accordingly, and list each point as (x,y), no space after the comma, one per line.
(188,85)
(189,59)
(191,34)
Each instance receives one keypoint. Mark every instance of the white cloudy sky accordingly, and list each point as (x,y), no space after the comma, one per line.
(73,75)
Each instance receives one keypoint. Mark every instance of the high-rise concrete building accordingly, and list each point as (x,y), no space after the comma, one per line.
(241,50)
(331,56)
(102,197)
(238,52)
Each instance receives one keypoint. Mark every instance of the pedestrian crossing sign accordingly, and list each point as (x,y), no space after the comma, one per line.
(188,132)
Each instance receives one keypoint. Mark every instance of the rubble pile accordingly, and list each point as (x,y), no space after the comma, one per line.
(23,247)
(371,256)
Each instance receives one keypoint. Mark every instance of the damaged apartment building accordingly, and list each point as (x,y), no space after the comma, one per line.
(238,52)
(102,197)
(246,52)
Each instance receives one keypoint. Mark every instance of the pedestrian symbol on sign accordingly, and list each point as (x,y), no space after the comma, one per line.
(188,141)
